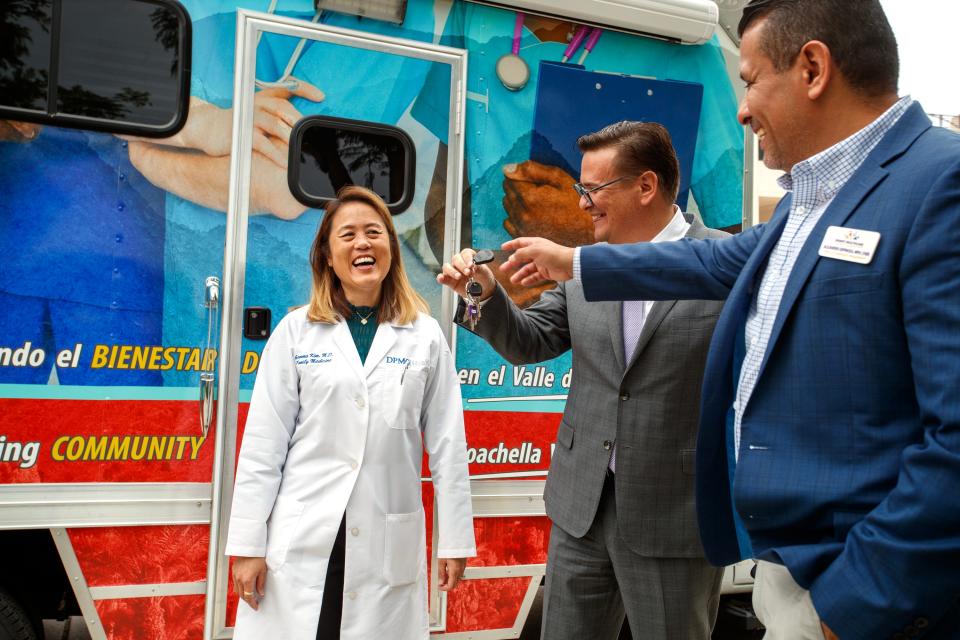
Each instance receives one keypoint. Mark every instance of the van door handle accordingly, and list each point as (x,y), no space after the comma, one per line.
(208,375)
(206,401)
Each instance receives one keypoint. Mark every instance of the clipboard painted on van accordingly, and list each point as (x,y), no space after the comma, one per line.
(572,101)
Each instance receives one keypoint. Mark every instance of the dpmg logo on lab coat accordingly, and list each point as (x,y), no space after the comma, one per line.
(405,362)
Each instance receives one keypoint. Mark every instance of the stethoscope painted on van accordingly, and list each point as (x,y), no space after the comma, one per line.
(513,71)
(286,80)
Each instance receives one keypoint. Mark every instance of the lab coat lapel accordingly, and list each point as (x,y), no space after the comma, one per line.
(344,342)
(384,339)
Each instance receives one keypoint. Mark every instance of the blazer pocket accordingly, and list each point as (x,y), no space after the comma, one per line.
(843,285)
(565,435)
(687,324)
(283,525)
(706,316)
(402,552)
(688,461)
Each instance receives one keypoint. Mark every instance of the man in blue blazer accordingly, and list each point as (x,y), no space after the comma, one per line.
(830,417)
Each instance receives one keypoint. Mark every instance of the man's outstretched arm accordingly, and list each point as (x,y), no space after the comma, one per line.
(686,269)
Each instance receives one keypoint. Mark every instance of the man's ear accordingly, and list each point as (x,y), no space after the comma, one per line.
(649,185)
(817,67)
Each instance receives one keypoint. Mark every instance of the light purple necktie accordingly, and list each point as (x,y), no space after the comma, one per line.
(634,315)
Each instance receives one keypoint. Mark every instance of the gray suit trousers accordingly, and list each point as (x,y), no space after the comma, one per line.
(593,582)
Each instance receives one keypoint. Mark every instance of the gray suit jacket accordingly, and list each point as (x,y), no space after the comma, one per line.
(648,405)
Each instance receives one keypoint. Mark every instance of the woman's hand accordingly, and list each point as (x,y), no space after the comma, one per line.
(249,579)
(451,570)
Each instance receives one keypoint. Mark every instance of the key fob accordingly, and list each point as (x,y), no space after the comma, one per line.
(483,256)
(474,288)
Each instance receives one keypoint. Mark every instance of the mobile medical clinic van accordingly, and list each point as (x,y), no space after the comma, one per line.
(153,231)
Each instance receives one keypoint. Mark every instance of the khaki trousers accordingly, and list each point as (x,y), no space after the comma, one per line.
(783,606)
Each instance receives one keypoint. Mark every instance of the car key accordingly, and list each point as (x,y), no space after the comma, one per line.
(483,256)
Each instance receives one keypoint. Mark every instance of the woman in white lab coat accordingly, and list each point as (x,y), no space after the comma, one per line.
(327,525)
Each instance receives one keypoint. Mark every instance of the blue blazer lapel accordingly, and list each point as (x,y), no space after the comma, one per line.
(747,282)
(858,188)
(719,379)
(721,531)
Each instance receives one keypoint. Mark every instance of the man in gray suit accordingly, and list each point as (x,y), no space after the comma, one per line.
(620,491)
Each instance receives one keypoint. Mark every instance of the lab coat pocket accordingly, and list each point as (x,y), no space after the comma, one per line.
(408,398)
(404,548)
(281,529)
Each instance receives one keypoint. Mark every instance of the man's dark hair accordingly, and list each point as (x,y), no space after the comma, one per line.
(641,146)
(857,33)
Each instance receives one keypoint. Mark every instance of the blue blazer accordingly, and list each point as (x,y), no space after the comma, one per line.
(849,468)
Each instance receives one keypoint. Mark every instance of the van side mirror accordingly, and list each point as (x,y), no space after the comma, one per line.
(328,153)
(120,66)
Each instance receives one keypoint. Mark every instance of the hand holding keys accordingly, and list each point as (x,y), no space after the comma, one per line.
(474,290)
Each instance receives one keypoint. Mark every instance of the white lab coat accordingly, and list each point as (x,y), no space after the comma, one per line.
(327,435)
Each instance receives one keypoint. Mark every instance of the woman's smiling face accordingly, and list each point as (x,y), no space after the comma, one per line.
(359,252)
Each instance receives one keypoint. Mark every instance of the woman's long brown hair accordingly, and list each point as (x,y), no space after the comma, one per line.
(399,301)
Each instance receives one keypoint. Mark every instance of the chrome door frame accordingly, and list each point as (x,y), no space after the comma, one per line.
(250,25)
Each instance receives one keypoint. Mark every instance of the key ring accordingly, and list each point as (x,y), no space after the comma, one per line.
(474,289)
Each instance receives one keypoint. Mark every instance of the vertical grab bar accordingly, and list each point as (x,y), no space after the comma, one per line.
(208,370)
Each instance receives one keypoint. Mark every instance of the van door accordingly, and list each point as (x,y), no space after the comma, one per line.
(288,67)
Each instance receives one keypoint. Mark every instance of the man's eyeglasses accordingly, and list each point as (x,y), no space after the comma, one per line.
(585,192)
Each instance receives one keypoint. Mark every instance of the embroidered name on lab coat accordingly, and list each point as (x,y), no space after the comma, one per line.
(312,358)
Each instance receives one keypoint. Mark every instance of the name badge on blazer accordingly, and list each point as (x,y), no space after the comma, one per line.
(851,245)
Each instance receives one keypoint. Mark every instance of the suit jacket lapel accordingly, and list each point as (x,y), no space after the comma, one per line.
(843,205)
(660,309)
(737,306)
(613,311)
(861,184)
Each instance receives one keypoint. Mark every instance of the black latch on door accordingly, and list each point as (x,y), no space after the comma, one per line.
(256,323)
